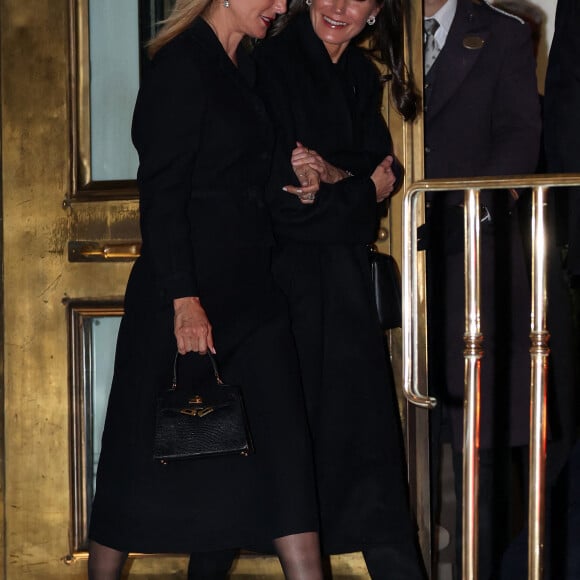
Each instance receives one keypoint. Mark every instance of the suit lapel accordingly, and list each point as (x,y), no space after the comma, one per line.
(465,42)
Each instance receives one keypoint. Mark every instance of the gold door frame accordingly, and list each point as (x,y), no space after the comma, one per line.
(408,143)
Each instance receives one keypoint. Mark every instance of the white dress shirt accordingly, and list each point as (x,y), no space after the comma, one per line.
(444,17)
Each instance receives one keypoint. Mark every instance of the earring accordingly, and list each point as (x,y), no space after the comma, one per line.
(308,2)
(226,3)
(370,20)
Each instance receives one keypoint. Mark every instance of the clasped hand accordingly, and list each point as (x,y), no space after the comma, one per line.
(384,178)
(311,169)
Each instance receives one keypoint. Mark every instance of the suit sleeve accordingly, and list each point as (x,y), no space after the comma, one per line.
(562,117)
(166,134)
(562,94)
(516,116)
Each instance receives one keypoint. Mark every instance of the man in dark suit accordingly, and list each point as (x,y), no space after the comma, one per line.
(481,118)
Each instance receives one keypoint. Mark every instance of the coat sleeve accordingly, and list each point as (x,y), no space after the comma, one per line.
(516,121)
(166,133)
(343,212)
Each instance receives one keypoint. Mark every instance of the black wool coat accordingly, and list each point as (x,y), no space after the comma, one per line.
(322,266)
(482,118)
(204,142)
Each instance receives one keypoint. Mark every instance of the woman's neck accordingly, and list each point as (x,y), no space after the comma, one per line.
(222,27)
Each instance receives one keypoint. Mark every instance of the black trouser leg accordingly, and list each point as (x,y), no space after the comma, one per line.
(210,565)
(494,509)
(395,562)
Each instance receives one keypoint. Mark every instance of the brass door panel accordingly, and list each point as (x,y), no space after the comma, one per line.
(68,241)
(408,142)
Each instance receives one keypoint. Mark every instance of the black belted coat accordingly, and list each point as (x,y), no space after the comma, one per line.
(322,265)
(204,143)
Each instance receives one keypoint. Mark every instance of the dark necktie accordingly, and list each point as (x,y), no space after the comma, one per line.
(431,48)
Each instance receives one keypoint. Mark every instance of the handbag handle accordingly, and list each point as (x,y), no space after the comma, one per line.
(216,373)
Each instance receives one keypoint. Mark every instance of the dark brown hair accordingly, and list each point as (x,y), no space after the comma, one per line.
(385,42)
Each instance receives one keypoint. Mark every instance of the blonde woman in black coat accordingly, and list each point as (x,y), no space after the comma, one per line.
(203,282)
(333,165)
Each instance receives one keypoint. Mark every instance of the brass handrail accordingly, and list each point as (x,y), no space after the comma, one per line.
(539,350)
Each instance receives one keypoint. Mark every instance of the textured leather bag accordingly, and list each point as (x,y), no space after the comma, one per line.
(386,288)
(201,421)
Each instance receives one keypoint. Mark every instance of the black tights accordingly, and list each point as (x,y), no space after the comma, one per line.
(105,563)
(383,563)
(210,565)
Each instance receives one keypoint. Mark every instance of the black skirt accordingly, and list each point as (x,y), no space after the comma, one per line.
(350,396)
(142,505)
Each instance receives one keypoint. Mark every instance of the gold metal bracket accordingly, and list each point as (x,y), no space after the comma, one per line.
(108,251)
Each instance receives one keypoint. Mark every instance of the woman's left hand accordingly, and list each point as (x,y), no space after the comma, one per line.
(384,178)
(303,158)
(309,185)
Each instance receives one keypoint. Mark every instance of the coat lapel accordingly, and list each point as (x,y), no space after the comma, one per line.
(467,39)
(324,75)
(208,44)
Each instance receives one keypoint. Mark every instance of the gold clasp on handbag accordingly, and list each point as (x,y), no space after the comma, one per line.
(197,412)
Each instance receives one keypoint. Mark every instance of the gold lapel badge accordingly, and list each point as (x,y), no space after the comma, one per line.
(473,42)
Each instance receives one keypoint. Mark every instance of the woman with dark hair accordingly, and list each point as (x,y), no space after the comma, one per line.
(203,283)
(324,96)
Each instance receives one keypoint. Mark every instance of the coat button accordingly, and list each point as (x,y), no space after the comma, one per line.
(427,149)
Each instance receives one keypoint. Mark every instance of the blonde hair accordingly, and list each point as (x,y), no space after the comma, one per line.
(183,14)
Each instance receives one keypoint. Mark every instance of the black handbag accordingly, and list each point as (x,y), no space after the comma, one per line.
(200,421)
(386,281)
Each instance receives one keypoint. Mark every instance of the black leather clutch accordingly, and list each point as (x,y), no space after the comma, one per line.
(201,421)
(386,288)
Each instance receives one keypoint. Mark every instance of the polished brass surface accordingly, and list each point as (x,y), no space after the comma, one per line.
(83,251)
(472,353)
(408,142)
(539,350)
(247,567)
(412,303)
(37,125)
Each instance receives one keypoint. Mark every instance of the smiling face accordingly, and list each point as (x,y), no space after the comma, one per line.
(337,22)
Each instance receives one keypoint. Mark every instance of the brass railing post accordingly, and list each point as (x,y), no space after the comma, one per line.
(472,355)
(539,352)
